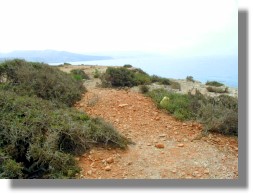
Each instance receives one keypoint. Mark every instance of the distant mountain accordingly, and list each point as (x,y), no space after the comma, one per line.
(126,54)
(51,56)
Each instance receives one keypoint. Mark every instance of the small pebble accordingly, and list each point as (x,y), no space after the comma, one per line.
(107,168)
(129,163)
(174,171)
(159,145)
(180,145)
(109,160)
(89,172)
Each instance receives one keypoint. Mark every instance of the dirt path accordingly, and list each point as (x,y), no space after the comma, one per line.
(164,147)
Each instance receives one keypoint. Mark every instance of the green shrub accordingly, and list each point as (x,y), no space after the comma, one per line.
(11,169)
(155,78)
(140,71)
(214,83)
(44,138)
(165,81)
(228,102)
(119,77)
(182,114)
(79,74)
(160,80)
(196,102)
(128,66)
(41,80)
(190,79)
(219,117)
(140,79)
(97,73)
(178,104)
(78,77)
(157,95)
(218,114)
(105,83)
(104,133)
(144,89)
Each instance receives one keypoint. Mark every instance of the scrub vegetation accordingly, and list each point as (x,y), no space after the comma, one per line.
(40,133)
(217,114)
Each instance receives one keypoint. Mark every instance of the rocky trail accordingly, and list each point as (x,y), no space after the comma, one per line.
(163,148)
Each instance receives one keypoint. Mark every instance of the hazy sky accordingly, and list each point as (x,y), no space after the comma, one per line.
(193,27)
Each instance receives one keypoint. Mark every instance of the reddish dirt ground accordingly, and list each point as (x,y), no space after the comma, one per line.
(163,148)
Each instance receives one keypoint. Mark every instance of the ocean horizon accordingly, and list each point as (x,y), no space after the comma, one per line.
(222,69)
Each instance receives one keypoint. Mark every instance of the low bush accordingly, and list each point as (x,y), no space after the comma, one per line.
(144,89)
(228,102)
(165,81)
(214,83)
(190,79)
(39,139)
(121,77)
(118,77)
(10,169)
(139,70)
(105,83)
(157,95)
(41,80)
(128,66)
(155,78)
(96,73)
(178,104)
(103,133)
(141,79)
(218,114)
(160,80)
(196,101)
(79,74)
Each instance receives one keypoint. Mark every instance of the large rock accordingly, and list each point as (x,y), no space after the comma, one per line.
(165,102)
(220,89)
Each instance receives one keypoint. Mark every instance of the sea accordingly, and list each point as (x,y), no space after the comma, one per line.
(223,69)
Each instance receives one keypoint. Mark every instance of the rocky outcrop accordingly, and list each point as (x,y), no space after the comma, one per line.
(192,87)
